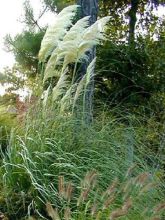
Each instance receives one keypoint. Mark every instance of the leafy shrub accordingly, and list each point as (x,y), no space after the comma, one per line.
(131,74)
(54,145)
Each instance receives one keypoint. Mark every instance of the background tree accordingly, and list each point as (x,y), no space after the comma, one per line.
(32,22)
(25,47)
(120,11)
(57,5)
(12,79)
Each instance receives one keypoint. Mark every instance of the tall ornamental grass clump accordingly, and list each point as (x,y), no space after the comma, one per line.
(56,145)
(51,148)
(64,47)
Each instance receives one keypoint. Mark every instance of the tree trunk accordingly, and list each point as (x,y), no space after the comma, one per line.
(88,8)
(133,19)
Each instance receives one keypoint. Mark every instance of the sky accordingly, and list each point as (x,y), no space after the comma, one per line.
(11,12)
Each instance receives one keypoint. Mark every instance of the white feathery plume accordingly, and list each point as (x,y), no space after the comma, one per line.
(56,31)
(77,29)
(96,31)
(102,23)
(45,96)
(50,72)
(90,72)
(66,10)
(72,49)
(67,100)
(77,41)
(60,87)
(86,79)
(66,49)
(79,90)
(75,50)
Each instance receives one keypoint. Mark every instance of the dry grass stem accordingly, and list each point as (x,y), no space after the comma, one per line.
(108,202)
(69,190)
(94,209)
(130,169)
(123,211)
(61,186)
(159,207)
(53,213)
(142,178)
(67,214)
(147,187)
(90,178)
(111,189)
(127,186)
(156,218)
